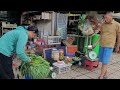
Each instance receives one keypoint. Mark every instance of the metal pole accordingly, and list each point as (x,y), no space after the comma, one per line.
(86,44)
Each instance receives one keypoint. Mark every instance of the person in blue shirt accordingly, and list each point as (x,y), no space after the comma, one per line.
(14,42)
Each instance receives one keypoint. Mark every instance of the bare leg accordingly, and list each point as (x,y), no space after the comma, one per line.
(103,71)
(106,73)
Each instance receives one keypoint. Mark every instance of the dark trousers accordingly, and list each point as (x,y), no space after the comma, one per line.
(6,71)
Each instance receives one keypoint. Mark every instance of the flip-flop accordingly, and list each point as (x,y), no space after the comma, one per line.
(100,77)
(105,77)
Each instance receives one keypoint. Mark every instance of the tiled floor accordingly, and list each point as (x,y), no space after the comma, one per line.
(78,72)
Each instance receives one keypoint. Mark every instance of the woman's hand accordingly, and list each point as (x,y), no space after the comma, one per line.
(30,61)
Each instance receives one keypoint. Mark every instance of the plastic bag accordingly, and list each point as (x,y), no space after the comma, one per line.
(81,22)
(87,29)
(16,62)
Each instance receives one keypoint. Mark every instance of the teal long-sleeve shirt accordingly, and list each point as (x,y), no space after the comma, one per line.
(13,42)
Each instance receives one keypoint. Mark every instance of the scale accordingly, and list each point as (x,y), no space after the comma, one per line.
(90,54)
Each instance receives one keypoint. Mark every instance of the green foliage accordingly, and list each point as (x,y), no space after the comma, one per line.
(37,69)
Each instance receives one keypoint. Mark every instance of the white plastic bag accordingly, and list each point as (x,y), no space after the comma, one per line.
(87,29)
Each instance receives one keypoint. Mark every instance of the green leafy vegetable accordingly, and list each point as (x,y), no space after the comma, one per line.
(37,69)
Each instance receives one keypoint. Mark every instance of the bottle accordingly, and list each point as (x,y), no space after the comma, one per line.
(61,54)
(53,52)
(56,55)
(80,63)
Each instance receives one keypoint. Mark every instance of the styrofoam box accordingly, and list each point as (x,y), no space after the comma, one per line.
(45,15)
(3,24)
(59,69)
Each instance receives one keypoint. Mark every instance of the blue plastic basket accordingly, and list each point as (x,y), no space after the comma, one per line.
(27,77)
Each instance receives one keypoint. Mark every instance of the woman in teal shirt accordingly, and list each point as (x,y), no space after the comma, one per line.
(14,42)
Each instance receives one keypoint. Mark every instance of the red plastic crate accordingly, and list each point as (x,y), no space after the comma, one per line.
(72,49)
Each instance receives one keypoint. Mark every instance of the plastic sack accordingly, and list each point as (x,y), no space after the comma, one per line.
(81,22)
(87,29)
(16,62)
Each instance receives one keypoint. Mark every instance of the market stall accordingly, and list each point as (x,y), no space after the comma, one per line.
(58,45)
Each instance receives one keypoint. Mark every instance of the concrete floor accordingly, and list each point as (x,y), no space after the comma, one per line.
(78,72)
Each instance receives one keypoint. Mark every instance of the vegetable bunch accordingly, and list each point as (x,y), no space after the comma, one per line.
(37,69)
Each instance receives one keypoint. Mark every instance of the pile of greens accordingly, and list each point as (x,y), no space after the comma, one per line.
(37,69)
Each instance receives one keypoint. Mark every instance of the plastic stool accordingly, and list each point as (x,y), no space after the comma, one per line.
(91,64)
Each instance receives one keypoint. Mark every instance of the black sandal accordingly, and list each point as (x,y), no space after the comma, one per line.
(105,77)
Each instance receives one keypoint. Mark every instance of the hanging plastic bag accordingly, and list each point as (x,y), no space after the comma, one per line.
(81,22)
(87,29)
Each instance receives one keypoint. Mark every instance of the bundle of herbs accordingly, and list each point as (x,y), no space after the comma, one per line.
(39,68)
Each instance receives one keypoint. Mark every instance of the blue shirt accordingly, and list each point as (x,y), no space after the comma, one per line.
(14,42)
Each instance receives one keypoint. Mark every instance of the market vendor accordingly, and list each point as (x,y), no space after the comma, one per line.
(14,42)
